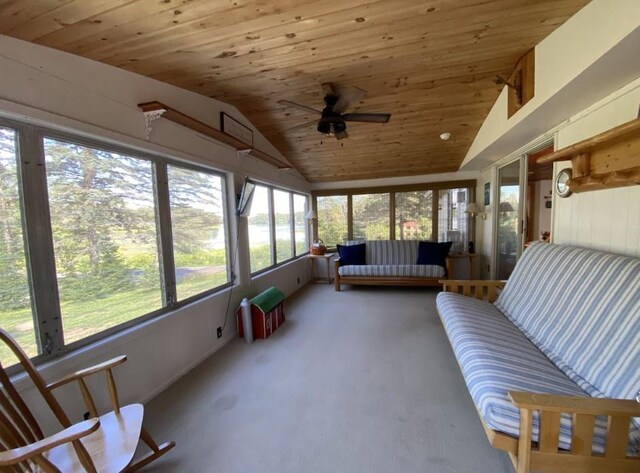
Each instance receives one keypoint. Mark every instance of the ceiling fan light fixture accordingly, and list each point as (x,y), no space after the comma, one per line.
(330,125)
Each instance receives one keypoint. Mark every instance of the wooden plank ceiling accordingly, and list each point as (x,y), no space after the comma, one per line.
(432,64)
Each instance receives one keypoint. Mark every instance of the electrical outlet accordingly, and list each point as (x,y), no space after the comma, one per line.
(219,332)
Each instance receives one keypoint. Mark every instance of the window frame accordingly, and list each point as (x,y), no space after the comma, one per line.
(272,229)
(38,236)
(435,187)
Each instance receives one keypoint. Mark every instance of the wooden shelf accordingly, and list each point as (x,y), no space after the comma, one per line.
(200,127)
(610,159)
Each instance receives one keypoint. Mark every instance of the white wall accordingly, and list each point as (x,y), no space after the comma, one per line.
(590,56)
(608,219)
(542,217)
(55,89)
(484,226)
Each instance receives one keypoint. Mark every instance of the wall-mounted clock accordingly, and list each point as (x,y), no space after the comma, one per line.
(562,182)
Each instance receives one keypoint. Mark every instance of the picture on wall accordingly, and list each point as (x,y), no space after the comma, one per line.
(487,193)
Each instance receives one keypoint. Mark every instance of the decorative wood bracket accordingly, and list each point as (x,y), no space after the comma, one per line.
(610,159)
(154,110)
(521,83)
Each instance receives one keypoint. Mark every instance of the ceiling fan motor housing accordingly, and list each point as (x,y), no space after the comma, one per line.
(331,122)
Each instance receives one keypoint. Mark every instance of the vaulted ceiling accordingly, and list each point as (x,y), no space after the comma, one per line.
(432,64)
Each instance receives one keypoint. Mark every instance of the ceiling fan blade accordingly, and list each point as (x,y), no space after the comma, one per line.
(288,103)
(302,125)
(367,117)
(341,135)
(348,96)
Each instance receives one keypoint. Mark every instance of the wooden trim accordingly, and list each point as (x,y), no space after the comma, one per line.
(576,405)
(193,124)
(389,281)
(500,440)
(207,130)
(522,83)
(480,289)
(614,135)
(256,153)
(605,161)
(467,183)
(350,217)
(392,215)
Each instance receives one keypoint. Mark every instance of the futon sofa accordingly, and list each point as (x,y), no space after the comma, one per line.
(389,263)
(553,364)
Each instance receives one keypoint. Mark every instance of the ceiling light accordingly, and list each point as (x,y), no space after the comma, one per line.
(445,136)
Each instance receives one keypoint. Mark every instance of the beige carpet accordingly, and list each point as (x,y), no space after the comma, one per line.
(359,381)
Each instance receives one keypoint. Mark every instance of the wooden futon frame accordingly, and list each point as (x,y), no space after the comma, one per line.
(544,455)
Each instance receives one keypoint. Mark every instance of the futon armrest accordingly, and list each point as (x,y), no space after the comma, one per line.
(88,371)
(480,289)
(575,404)
(75,432)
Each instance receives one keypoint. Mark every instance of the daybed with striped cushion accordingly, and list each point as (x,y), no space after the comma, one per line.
(565,326)
(389,262)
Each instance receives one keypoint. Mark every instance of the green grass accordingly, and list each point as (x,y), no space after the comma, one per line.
(81,319)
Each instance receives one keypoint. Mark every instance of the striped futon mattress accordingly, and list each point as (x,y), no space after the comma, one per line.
(566,323)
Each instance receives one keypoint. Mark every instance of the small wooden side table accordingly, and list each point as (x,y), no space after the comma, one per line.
(471,257)
(327,257)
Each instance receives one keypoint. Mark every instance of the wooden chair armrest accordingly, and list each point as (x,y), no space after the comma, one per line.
(472,282)
(575,404)
(480,289)
(75,432)
(88,371)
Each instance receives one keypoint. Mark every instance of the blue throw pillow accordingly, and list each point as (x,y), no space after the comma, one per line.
(353,254)
(430,252)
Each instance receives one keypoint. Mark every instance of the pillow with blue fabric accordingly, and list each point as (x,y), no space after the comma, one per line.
(353,254)
(430,252)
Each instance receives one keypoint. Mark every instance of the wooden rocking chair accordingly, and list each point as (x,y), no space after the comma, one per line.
(105,443)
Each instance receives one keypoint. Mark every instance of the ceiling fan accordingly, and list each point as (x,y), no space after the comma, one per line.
(332,119)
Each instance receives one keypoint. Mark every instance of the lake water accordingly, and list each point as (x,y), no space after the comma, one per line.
(259,234)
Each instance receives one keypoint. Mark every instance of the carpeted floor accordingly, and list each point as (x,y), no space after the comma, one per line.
(359,381)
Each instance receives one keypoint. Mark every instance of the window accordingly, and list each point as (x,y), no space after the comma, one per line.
(284,237)
(333,226)
(260,242)
(101,237)
(371,217)
(276,227)
(16,315)
(198,230)
(104,233)
(453,222)
(414,215)
(413,212)
(300,223)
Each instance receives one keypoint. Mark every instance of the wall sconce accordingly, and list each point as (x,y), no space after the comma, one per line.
(474,211)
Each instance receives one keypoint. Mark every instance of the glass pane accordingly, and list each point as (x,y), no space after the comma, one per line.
(282,209)
(371,217)
(508,218)
(414,215)
(453,222)
(300,213)
(199,236)
(104,235)
(260,230)
(16,315)
(332,219)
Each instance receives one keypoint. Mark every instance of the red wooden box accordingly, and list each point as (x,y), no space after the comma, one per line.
(264,323)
